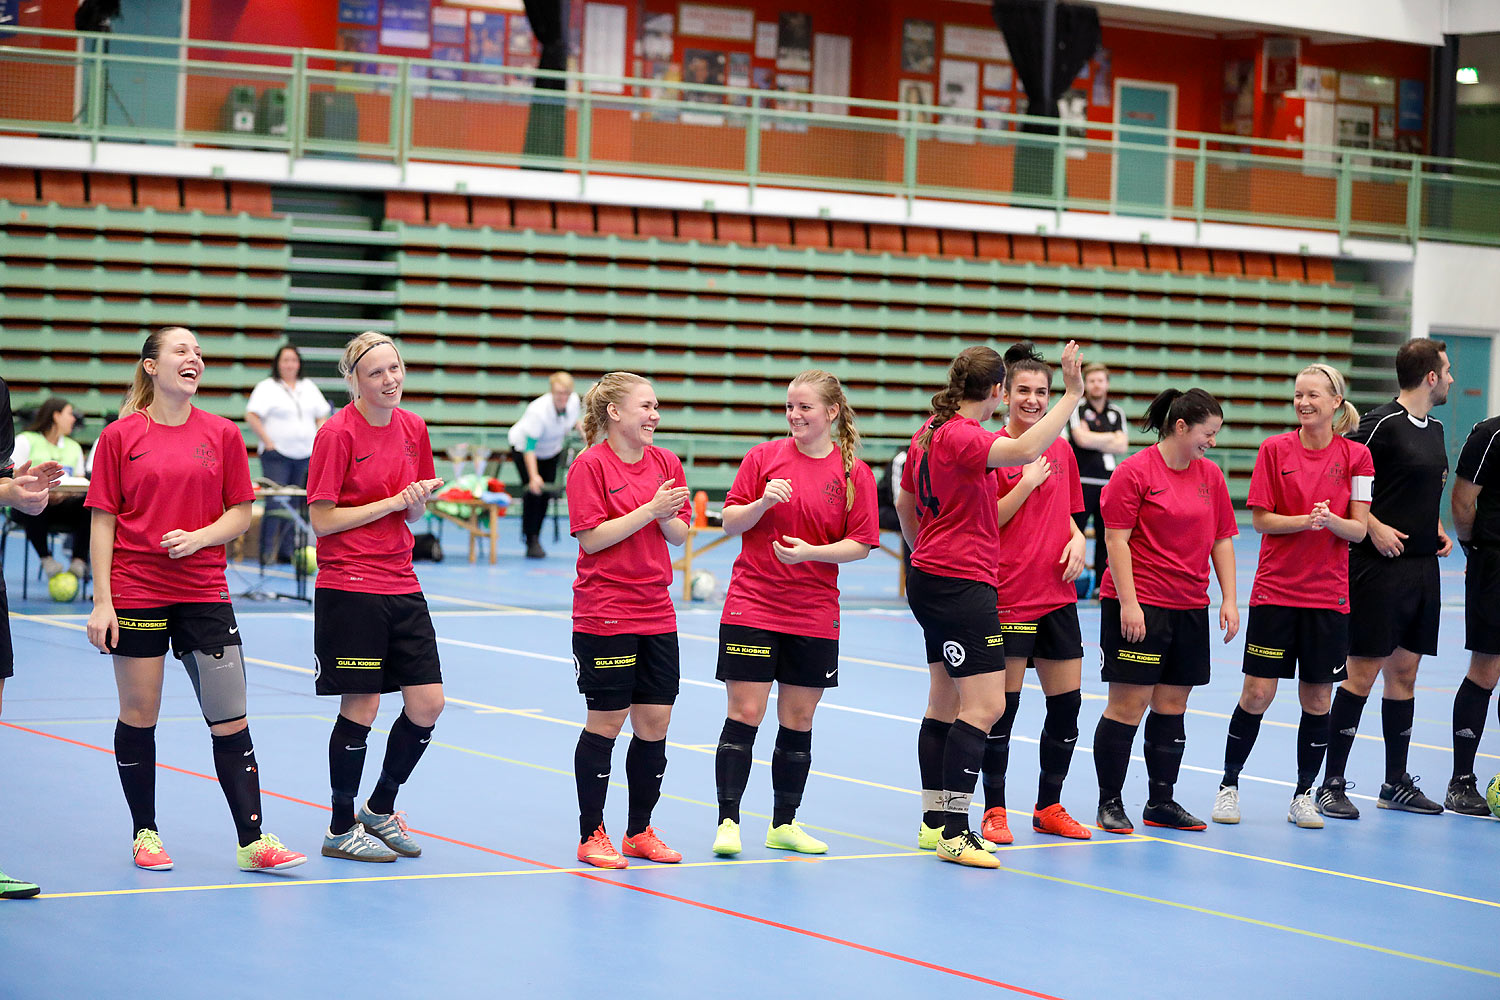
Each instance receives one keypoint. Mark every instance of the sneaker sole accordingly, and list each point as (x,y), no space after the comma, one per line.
(1482,810)
(1122,831)
(726,851)
(404,852)
(294,863)
(1299,824)
(1226,820)
(611,865)
(798,849)
(1169,826)
(647,857)
(155,868)
(334,852)
(1400,807)
(973,859)
(21,893)
(1079,834)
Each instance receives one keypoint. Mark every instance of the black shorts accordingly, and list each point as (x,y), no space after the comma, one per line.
(1054,636)
(617,671)
(960,623)
(373,643)
(1482,601)
(7,651)
(1287,642)
(1393,602)
(1175,650)
(145,632)
(758,654)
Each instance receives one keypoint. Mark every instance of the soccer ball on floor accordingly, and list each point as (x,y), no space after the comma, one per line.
(1492,796)
(703,585)
(63,586)
(306,559)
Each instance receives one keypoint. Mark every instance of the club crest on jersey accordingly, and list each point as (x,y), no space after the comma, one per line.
(1336,471)
(833,492)
(954,653)
(411,452)
(1203,493)
(206,456)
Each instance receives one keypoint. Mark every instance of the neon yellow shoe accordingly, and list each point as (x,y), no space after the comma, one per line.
(791,837)
(267,855)
(966,849)
(928,838)
(727,840)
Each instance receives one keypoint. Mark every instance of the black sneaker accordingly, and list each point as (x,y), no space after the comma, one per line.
(1112,818)
(1463,797)
(1407,797)
(1333,799)
(534,550)
(1172,816)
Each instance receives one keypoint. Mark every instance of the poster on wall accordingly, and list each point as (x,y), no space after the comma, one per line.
(705,66)
(974,43)
(406,24)
(362,12)
(1367,87)
(1237,108)
(739,76)
(1356,125)
(958,87)
(604,45)
(1385,122)
(449,40)
(999,76)
(356,40)
(794,41)
(1279,74)
(918,46)
(520,50)
(486,46)
(765,39)
(995,104)
(1073,111)
(1319,128)
(831,54)
(705,21)
(792,83)
(656,37)
(1412,106)
(1104,79)
(919,94)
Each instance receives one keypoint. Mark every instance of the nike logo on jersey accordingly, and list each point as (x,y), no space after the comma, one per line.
(367,457)
(1155,492)
(141,455)
(234,630)
(1012,476)
(1287,472)
(617,489)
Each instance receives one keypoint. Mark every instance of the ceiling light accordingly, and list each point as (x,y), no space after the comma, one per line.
(1468,74)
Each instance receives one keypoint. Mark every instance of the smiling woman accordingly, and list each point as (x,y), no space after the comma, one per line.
(171,486)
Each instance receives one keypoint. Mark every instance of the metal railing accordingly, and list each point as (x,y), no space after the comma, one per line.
(123,88)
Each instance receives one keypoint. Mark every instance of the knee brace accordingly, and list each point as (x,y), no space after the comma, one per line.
(218,678)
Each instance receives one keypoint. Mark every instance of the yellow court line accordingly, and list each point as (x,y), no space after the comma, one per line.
(435,876)
(1238,918)
(1324,871)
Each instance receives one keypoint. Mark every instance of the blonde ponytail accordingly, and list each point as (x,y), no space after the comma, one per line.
(142,389)
(831,393)
(611,388)
(1346,417)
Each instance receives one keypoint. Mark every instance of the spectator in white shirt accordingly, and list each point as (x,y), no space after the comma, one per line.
(536,443)
(285,412)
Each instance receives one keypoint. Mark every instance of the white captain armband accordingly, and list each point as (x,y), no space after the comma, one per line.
(1361,488)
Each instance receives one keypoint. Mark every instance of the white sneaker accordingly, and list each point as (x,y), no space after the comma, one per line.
(1304,812)
(1227,805)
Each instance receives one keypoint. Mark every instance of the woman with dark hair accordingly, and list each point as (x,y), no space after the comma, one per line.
(46,440)
(1041,554)
(285,412)
(950,519)
(1167,515)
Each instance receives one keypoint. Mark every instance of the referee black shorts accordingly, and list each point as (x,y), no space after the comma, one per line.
(960,622)
(1393,602)
(1482,601)
(1287,642)
(1174,651)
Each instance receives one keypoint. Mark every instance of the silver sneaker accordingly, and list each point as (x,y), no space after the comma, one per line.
(1304,812)
(356,844)
(1227,805)
(391,830)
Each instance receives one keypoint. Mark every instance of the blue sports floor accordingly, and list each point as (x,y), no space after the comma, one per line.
(1393,905)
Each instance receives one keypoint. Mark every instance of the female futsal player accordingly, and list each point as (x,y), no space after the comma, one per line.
(626,500)
(171,486)
(1041,554)
(803,504)
(948,516)
(1310,497)
(1166,516)
(370,475)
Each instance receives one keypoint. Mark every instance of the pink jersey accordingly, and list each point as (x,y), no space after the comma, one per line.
(803,599)
(154,479)
(1175,517)
(1032,541)
(625,588)
(356,463)
(955,489)
(1305,569)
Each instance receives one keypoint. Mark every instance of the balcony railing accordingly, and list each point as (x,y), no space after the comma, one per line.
(318,103)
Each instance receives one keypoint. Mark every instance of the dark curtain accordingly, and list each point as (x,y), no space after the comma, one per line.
(547,121)
(1076,38)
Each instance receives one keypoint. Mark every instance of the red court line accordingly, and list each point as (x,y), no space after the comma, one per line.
(791,928)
